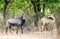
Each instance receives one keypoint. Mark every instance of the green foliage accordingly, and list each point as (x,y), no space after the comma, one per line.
(1,5)
(17,6)
(52,5)
(47,12)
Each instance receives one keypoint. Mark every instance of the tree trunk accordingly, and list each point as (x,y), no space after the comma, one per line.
(51,10)
(13,15)
(5,12)
(37,9)
(43,9)
(6,7)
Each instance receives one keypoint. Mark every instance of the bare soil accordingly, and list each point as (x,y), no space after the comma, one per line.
(31,35)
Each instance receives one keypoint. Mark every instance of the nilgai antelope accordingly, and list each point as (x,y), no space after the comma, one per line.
(47,20)
(18,22)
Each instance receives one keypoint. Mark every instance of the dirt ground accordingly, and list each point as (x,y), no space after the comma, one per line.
(32,35)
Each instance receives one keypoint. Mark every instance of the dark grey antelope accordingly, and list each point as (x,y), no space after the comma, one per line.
(18,22)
